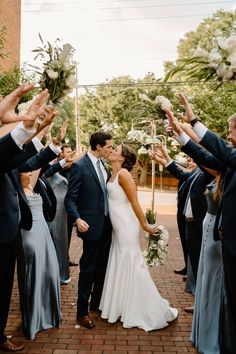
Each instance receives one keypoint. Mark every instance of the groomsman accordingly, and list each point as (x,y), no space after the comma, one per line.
(86,203)
(66,151)
(226,153)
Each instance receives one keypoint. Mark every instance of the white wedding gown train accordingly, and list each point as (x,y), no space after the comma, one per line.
(129,292)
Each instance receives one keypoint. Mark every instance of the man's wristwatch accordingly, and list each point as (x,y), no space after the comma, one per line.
(194,121)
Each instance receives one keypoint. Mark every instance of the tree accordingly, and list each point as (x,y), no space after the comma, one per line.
(116,107)
(212,106)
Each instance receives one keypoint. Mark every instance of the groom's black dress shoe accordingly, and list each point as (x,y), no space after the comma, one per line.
(10,346)
(181,271)
(85,321)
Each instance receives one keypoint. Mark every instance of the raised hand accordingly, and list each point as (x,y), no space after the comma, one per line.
(9,103)
(176,127)
(160,155)
(187,107)
(37,109)
(61,133)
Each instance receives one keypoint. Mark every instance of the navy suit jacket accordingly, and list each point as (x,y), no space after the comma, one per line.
(197,180)
(85,198)
(227,155)
(14,208)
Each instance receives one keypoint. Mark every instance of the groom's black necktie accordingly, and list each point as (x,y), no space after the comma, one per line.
(103,185)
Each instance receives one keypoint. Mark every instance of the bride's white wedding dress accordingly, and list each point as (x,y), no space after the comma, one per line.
(129,291)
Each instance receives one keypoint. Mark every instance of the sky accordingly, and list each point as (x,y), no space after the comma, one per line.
(114,37)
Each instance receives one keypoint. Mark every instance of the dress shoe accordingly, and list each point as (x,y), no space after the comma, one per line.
(72,264)
(185,277)
(189,309)
(66,281)
(10,346)
(181,271)
(85,321)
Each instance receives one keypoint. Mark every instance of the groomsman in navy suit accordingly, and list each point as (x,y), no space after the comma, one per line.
(225,225)
(86,203)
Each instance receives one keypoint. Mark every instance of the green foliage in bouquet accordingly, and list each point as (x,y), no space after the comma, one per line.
(59,72)
(157,105)
(157,244)
(150,216)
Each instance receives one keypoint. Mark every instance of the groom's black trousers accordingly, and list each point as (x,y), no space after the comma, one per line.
(93,263)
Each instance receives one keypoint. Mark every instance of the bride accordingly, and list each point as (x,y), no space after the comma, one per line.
(129,292)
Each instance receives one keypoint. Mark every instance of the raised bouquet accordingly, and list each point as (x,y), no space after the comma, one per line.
(157,247)
(217,65)
(159,104)
(58,74)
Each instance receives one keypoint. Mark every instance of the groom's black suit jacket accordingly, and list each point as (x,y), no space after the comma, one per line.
(85,198)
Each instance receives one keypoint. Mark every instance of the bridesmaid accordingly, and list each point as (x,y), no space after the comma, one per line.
(38,271)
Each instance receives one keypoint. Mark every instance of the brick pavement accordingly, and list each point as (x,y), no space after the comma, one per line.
(113,338)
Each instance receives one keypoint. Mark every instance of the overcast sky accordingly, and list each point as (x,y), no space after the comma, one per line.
(114,37)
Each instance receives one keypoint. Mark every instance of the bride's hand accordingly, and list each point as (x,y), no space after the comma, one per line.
(151,229)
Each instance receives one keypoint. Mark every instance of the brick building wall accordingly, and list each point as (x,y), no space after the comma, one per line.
(10,17)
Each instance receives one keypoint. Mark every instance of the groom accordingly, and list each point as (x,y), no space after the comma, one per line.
(86,203)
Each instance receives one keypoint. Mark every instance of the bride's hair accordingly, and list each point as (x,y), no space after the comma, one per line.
(130,157)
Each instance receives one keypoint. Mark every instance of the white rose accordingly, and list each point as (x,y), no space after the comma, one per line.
(161,244)
(224,72)
(214,56)
(144,97)
(231,44)
(163,102)
(71,81)
(232,59)
(52,74)
(199,52)
(222,43)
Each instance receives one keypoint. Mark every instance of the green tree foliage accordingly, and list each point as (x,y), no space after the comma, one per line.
(212,106)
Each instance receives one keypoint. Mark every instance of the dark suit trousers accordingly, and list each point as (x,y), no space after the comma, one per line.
(182,234)
(93,263)
(228,313)
(7,269)
(194,242)
(69,229)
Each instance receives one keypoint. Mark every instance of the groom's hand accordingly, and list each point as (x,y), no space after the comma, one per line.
(82,225)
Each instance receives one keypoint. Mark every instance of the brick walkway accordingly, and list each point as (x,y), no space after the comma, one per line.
(113,338)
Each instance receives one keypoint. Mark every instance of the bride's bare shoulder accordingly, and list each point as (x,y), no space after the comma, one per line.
(124,174)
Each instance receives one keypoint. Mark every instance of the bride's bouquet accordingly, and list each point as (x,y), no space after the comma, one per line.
(58,74)
(157,248)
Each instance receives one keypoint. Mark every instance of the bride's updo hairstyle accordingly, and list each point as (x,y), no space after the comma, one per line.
(130,157)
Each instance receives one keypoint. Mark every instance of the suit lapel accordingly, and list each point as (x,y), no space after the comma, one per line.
(89,164)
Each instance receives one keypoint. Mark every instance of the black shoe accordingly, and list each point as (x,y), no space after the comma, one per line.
(181,271)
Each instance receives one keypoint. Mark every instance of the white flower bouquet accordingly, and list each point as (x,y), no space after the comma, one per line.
(159,104)
(157,244)
(217,65)
(58,74)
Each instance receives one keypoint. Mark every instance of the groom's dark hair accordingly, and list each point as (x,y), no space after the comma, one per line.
(99,138)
